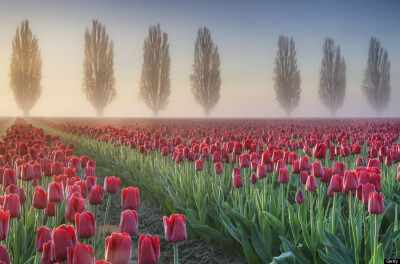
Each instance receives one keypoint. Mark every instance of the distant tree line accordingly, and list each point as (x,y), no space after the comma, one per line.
(155,85)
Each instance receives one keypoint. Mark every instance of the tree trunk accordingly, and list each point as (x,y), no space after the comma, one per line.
(26,112)
(207,112)
(100,113)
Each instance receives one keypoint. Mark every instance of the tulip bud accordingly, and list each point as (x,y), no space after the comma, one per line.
(375,203)
(4,255)
(12,204)
(130,198)
(80,253)
(96,195)
(85,224)
(283,175)
(55,193)
(128,222)
(311,184)
(253,178)
(63,238)
(75,204)
(148,249)
(111,184)
(299,197)
(4,224)
(174,227)
(39,200)
(43,235)
(50,209)
(118,248)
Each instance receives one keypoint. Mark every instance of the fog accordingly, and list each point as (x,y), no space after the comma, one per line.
(246,34)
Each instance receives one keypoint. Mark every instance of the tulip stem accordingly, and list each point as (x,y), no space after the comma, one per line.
(333,214)
(176,258)
(105,217)
(376,235)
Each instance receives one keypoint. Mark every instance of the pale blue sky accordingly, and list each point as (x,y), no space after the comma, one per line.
(246,33)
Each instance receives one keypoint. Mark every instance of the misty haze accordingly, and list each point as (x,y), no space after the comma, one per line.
(145,132)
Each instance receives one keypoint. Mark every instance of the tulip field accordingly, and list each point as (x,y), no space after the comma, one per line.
(262,190)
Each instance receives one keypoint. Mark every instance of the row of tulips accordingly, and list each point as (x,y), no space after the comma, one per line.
(268,182)
(63,208)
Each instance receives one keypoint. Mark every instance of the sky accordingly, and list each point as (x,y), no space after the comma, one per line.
(246,33)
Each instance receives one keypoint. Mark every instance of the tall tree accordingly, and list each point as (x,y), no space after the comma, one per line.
(286,75)
(206,77)
(25,68)
(155,82)
(376,84)
(98,67)
(332,81)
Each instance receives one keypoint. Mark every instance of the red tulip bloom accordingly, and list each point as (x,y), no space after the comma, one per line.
(266,157)
(18,191)
(90,182)
(118,248)
(75,163)
(261,171)
(360,161)
(320,151)
(174,227)
(300,197)
(149,249)
(277,155)
(296,167)
(27,173)
(111,184)
(89,171)
(39,200)
(71,173)
(367,189)
(375,179)
(311,184)
(130,198)
(375,203)
(4,224)
(198,165)
(85,224)
(283,175)
(50,209)
(244,160)
(350,182)
(303,177)
(363,177)
(63,238)
(12,204)
(84,160)
(75,204)
(304,163)
(336,183)
(80,254)
(4,255)
(327,175)
(237,181)
(218,168)
(374,163)
(253,178)
(128,222)
(9,177)
(339,168)
(96,195)
(57,168)
(46,253)
(43,235)
(318,170)
(55,192)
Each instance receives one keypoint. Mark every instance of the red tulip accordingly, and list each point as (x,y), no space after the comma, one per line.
(244,160)
(311,184)
(360,161)
(130,198)
(266,157)
(283,175)
(366,190)
(55,192)
(320,151)
(84,160)
(174,227)
(363,177)
(111,184)
(350,181)
(80,254)
(375,203)
(374,163)
(50,209)
(71,173)
(128,222)
(96,195)
(75,163)
(300,197)
(90,182)
(327,175)
(261,171)
(89,171)
(46,253)
(253,178)
(63,238)
(304,164)
(4,255)
(12,204)
(149,249)
(85,224)
(118,248)
(318,170)
(339,168)
(4,224)
(198,165)
(75,204)
(57,168)
(303,177)
(39,200)
(27,173)
(237,181)
(18,191)
(43,235)
(9,177)
(218,168)
(336,183)
(375,179)
(295,167)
